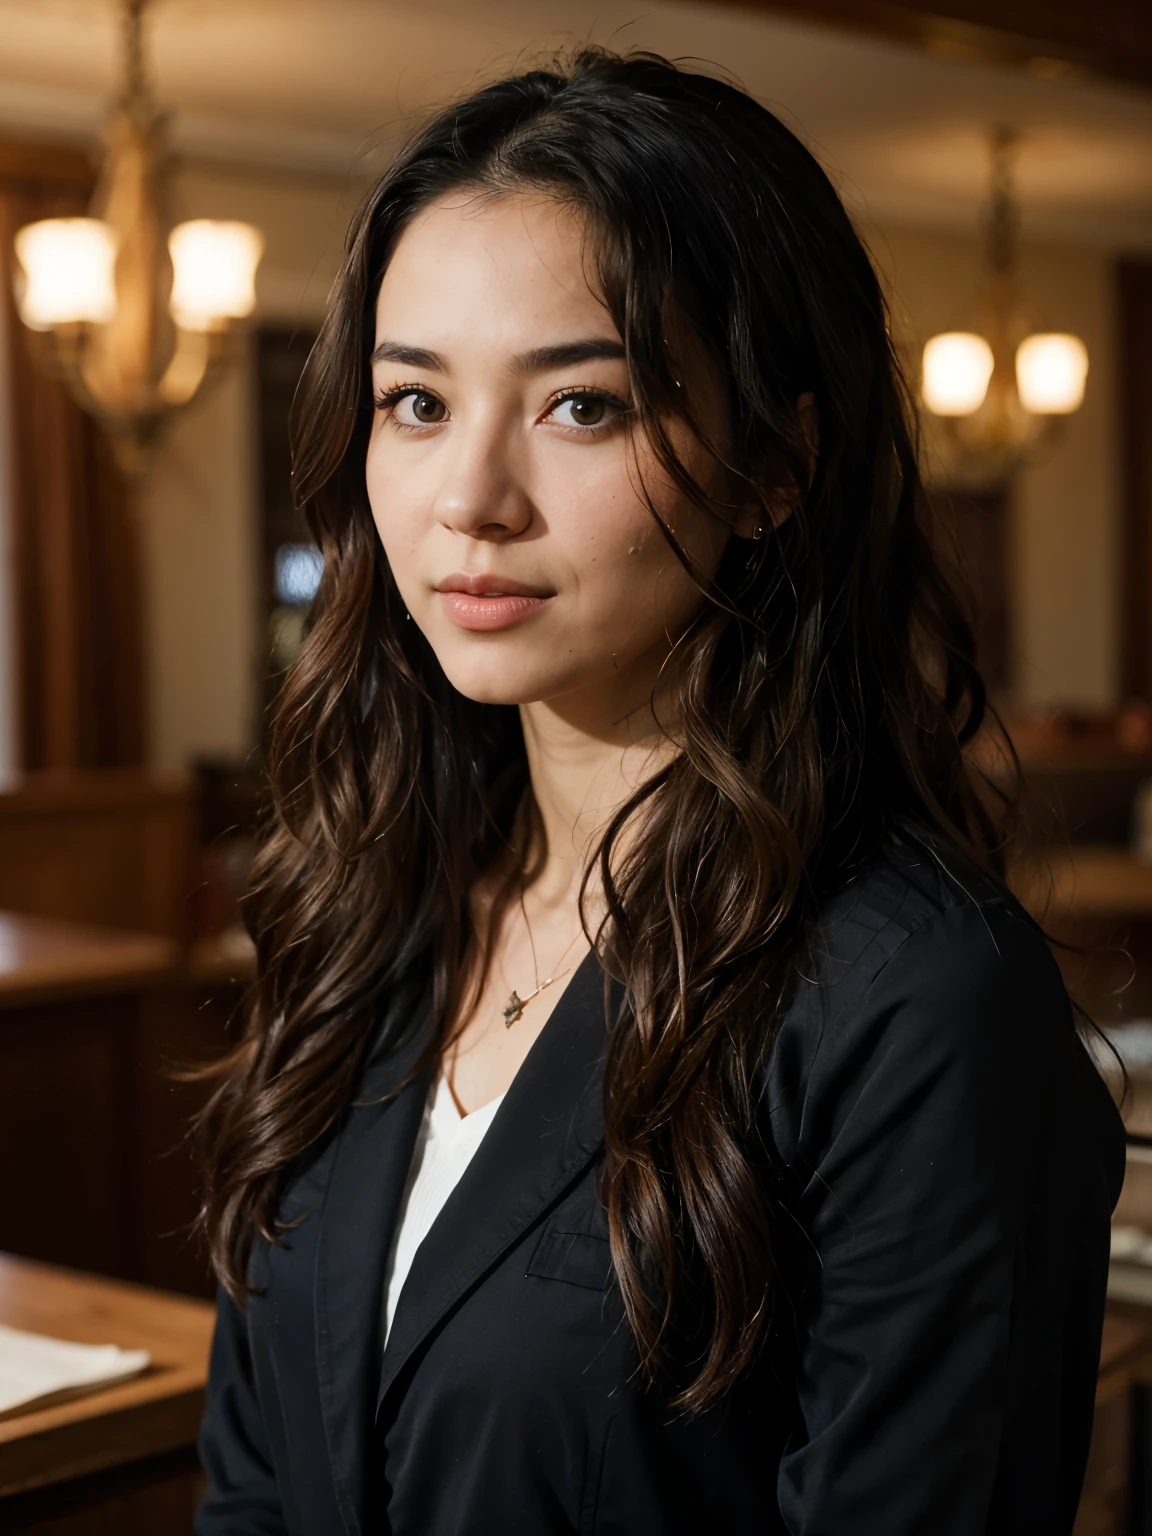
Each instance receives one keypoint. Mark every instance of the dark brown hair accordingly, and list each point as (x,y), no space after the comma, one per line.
(826,687)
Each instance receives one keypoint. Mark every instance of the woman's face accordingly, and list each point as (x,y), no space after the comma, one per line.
(503,481)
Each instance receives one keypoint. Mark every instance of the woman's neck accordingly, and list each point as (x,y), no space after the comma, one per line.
(586,757)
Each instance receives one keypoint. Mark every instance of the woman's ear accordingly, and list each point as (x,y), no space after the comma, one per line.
(750,524)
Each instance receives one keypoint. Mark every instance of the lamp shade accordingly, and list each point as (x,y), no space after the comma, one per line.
(214,265)
(69,272)
(956,369)
(1051,370)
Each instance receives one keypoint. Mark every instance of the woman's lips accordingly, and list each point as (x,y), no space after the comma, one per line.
(490,610)
(489,601)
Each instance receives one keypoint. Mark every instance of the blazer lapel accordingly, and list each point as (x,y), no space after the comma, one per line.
(548,1128)
(360,1212)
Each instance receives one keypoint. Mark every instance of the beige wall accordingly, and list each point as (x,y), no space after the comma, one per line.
(200,505)
(1065,517)
(198,526)
(200,513)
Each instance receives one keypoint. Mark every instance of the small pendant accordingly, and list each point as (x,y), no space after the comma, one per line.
(515,1005)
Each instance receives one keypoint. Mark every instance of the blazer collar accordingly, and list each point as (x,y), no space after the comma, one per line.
(547,1130)
(365,1188)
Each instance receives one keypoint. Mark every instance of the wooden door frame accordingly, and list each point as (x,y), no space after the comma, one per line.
(79,661)
(1134,345)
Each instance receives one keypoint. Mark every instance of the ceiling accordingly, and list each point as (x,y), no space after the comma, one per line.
(324,86)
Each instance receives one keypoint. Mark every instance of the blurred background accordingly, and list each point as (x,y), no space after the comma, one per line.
(176,179)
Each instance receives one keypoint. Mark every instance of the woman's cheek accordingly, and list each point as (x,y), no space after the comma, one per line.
(637,591)
(399,527)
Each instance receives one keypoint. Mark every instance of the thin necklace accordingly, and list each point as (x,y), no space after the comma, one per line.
(514,1007)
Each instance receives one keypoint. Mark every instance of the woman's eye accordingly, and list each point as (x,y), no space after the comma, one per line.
(418,409)
(585,410)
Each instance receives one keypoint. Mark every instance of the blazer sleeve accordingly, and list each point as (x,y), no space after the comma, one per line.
(242,1497)
(918,1161)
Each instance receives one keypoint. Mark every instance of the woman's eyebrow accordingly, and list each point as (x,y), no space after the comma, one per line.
(411,357)
(561,354)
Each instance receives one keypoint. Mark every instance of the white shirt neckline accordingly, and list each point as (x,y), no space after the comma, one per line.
(446,1143)
(444,1113)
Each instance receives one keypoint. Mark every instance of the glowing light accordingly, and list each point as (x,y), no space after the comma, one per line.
(213,271)
(957,367)
(298,571)
(1051,370)
(69,272)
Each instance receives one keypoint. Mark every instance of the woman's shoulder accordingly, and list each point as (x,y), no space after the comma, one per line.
(917,886)
(921,960)
(930,1023)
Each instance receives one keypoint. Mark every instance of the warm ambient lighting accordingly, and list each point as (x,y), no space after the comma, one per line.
(1001,385)
(957,367)
(68,272)
(97,289)
(213,272)
(1051,371)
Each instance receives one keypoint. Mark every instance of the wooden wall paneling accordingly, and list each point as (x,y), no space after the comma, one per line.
(115,848)
(1134,294)
(156,1497)
(96,1027)
(971,529)
(46,165)
(45,438)
(67,1135)
(79,619)
(111,707)
(95,1130)
(180,1026)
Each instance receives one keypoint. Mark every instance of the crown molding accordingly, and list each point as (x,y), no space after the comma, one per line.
(71,123)
(1052,39)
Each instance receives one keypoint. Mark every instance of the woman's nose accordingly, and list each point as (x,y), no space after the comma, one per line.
(481,494)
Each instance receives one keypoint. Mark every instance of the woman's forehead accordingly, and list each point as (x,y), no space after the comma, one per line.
(471,264)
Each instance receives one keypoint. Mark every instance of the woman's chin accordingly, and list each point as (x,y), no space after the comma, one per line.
(513,680)
(492,684)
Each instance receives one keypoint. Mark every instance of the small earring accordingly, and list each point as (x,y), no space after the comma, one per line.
(758,531)
(407,616)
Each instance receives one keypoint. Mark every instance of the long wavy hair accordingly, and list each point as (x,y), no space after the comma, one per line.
(826,686)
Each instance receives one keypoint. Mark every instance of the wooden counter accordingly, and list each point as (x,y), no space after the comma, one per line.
(95,1024)
(128,1447)
(42,960)
(1125,1364)
(1085,882)
(1095,900)
(99,846)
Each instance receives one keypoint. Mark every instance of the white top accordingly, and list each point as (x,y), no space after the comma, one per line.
(445,1146)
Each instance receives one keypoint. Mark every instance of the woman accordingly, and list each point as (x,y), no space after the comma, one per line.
(655,1114)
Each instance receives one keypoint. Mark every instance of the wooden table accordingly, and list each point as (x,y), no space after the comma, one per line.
(122,1458)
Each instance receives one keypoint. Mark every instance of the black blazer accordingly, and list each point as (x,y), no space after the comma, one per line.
(948,1162)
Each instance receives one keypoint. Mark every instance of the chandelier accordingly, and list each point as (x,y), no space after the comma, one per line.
(134,322)
(1002,387)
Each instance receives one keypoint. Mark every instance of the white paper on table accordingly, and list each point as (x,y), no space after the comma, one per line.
(34,1367)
